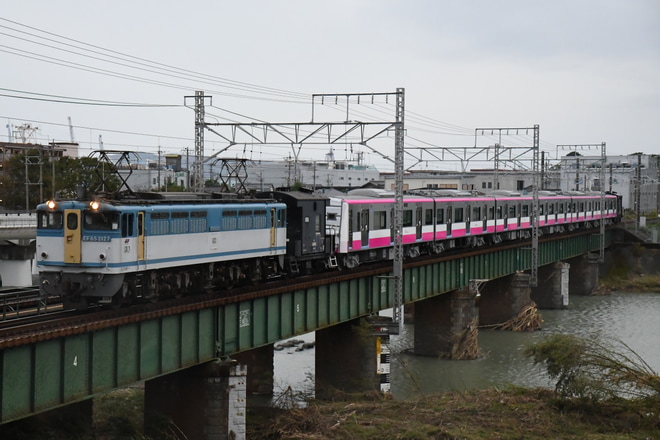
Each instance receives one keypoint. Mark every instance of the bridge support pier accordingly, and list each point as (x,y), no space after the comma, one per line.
(503,298)
(205,402)
(583,275)
(15,272)
(346,359)
(440,319)
(260,372)
(552,290)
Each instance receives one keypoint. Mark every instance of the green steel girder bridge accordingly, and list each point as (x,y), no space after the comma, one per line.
(54,370)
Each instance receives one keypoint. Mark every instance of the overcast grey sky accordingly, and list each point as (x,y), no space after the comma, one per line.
(585,71)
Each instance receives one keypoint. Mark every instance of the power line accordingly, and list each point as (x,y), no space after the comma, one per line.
(81,101)
(147,65)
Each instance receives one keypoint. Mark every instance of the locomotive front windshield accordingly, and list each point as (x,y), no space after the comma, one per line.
(101,221)
(50,220)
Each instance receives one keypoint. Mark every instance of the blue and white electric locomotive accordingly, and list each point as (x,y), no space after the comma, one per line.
(112,252)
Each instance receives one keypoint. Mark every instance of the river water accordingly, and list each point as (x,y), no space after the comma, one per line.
(633,318)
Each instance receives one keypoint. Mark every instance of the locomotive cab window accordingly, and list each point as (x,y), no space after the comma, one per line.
(50,220)
(101,221)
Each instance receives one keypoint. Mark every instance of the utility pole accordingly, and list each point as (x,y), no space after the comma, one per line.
(187,169)
(399,133)
(158,168)
(200,125)
(638,188)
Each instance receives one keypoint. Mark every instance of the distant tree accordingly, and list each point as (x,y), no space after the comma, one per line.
(70,175)
(13,182)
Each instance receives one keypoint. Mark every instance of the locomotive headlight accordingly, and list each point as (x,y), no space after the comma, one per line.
(51,204)
(94,205)
(44,255)
(102,256)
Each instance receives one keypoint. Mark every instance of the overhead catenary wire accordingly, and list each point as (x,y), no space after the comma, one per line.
(165,75)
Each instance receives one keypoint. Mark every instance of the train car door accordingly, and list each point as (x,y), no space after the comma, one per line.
(364,227)
(140,237)
(72,236)
(273,227)
(449,219)
(418,231)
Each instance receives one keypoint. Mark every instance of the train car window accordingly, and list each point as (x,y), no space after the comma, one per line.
(428,217)
(476,213)
(380,220)
(50,220)
(317,223)
(581,207)
(525,210)
(160,215)
(440,216)
(199,214)
(491,213)
(178,214)
(127,228)
(541,208)
(512,211)
(551,209)
(560,207)
(499,212)
(281,218)
(72,221)
(458,215)
(407,218)
(100,221)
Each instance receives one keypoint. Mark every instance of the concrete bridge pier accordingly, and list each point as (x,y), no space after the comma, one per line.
(441,319)
(351,357)
(584,274)
(552,290)
(504,298)
(207,402)
(260,370)
(16,263)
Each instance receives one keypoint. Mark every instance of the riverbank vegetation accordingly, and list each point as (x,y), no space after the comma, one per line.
(511,413)
(603,391)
